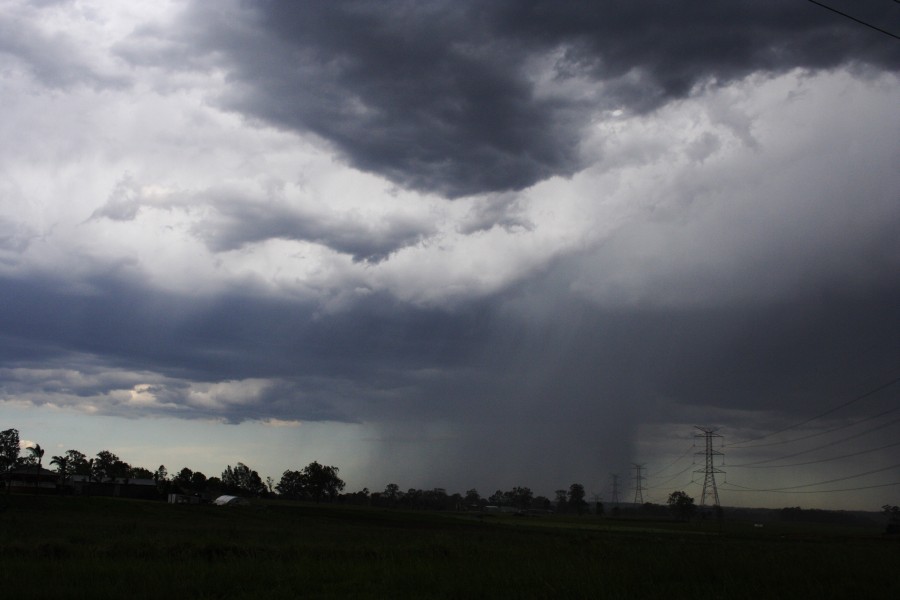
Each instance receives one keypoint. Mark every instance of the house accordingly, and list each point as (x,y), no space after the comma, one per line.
(117,487)
(31,478)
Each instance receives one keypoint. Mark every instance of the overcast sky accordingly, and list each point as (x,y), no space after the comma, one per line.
(458,244)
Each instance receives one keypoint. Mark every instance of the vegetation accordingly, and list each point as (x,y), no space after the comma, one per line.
(681,505)
(88,547)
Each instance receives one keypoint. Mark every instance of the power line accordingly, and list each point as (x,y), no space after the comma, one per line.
(668,466)
(823,460)
(863,396)
(818,433)
(802,452)
(673,477)
(806,485)
(852,18)
(854,489)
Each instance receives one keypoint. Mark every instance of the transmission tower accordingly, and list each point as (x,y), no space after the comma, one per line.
(638,484)
(615,492)
(710,470)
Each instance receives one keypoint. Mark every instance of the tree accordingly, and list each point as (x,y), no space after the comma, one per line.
(37,454)
(576,500)
(322,481)
(9,452)
(213,485)
(120,470)
(78,463)
(37,457)
(104,466)
(542,502)
(140,473)
(561,504)
(161,479)
(198,482)
(9,449)
(392,492)
(62,467)
(182,479)
(291,485)
(242,479)
(681,506)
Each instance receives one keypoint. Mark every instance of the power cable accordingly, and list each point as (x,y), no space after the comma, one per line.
(852,18)
(802,452)
(668,466)
(818,433)
(871,392)
(689,467)
(806,485)
(823,460)
(855,489)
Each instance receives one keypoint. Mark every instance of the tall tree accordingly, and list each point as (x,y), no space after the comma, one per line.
(681,505)
(9,452)
(576,498)
(392,493)
(198,482)
(561,504)
(291,485)
(161,478)
(242,478)
(37,454)
(520,497)
(140,473)
(182,480)
(104,466)
(9,449)
(78,463)
(62,467)
(322,481)
(37,458)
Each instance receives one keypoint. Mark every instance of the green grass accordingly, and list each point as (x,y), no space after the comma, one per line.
(108,548)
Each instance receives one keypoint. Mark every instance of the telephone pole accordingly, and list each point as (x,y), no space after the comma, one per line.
(638,484)
(710,470)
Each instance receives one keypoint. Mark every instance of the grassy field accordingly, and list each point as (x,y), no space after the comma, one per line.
(65,547)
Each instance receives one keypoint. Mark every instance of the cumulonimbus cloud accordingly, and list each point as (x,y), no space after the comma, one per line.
(461,98)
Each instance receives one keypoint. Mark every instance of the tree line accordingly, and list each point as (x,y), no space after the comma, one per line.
(315,482)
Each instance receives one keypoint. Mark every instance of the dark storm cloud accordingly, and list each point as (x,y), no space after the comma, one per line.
(442,96)
(333,367)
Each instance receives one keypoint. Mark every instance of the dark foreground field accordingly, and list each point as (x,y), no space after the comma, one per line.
(107,548)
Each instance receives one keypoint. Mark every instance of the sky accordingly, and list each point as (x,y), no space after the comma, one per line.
(459,244)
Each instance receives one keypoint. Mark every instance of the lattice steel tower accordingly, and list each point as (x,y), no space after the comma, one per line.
(638,485)
(710,470)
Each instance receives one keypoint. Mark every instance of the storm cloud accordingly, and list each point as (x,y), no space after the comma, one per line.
(461,98)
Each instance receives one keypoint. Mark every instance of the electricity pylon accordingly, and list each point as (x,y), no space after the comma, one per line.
(710,470)
(615,491)
(638,485)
